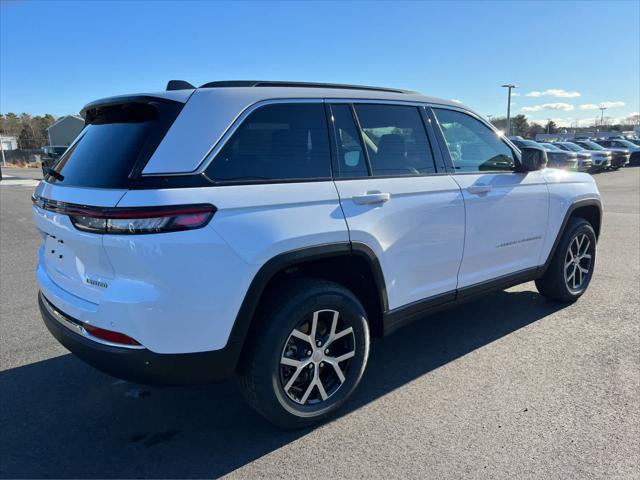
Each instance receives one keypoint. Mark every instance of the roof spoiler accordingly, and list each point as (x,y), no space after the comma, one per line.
(179,85)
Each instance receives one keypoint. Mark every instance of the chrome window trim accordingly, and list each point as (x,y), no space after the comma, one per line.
(78,329)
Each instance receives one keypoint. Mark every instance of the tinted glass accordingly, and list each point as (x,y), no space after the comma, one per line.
(473,146)
(395,139)
(550,146)
(115,140)
(276,142)
(589,145)
(350,158)
(573,147)
(526,143)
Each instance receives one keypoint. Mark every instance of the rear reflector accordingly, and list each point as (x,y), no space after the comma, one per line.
(108,335)
(131,220)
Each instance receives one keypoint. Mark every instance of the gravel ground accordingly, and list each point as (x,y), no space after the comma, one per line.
(510,386)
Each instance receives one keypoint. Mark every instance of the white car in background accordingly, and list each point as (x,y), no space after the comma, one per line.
(265,230)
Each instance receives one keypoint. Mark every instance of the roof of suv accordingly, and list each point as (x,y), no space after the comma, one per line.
(178,90)
(212,108)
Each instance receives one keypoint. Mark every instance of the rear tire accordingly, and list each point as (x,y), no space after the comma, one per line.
(307,355)
(571,267)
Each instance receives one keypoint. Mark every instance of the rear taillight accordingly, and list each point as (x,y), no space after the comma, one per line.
(132,220)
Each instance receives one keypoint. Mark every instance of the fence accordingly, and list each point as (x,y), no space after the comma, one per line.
(23,158)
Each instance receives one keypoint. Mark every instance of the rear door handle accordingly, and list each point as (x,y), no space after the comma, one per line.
(479,189)
(371,197)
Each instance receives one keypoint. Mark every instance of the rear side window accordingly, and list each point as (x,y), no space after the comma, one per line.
(276,142)
(350,157)
(115,144)
(473,146)
(395,139)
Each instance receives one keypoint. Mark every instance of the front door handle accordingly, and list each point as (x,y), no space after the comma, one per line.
(371,197)
(479,189)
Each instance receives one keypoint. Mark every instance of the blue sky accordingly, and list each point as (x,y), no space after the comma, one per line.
(566,57)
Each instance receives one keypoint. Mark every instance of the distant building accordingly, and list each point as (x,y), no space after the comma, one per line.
(65,130)
(8,143)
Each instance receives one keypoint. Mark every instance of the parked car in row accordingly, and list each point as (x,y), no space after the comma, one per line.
(623,144)
(601,159)
(584,159)
(557,158)
(619,157)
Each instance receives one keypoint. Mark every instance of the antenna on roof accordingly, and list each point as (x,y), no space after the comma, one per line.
(179,85)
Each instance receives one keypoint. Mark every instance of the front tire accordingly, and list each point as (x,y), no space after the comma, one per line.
(307,355)
(571,267)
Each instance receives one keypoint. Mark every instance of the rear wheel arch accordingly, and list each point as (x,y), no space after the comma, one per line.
(354,266)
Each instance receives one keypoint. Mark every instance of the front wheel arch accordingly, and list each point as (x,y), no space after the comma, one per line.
(590,210)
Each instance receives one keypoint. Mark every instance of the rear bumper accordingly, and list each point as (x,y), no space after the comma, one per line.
(142,365)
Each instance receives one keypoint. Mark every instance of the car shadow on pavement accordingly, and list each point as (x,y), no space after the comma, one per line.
(61,418)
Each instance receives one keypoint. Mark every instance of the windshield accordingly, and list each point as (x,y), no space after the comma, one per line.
(628,144)
(114,145)
(527,143)
(551,146)
(572,146)
(592,145)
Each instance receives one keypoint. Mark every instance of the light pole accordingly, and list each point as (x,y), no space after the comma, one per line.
(602,109)
(4,160)
(509,86)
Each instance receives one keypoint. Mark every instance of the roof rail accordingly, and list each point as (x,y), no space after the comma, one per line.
(266,83)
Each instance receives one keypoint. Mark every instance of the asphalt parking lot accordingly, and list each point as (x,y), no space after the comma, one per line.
(510,386)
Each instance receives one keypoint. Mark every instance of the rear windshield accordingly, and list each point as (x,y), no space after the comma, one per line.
(115,144)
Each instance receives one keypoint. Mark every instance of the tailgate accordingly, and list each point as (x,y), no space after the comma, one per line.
(75,261)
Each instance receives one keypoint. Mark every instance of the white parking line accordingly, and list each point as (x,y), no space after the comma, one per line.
(11,181)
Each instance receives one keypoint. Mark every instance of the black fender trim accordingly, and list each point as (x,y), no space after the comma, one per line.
(591,202)
(284,260)
(363,250)
(266,273)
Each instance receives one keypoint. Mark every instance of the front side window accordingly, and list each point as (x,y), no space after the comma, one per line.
(395,139)
(473,146)
(276,142)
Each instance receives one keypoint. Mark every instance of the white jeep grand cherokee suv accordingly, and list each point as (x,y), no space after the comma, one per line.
(267,229)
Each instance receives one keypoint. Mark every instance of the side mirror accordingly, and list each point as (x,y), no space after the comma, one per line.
(533,159)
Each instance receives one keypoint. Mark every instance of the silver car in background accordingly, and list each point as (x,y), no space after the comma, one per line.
(601,159)
(619,157)
(557,158)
